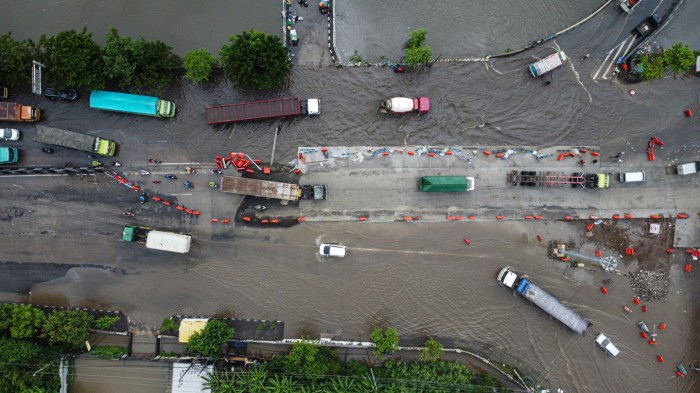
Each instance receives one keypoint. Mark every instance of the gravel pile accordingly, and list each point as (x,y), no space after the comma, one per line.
(649,285)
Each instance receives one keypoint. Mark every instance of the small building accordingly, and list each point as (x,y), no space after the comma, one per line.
(190,326)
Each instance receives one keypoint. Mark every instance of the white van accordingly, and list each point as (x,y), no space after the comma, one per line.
(632,177)
(605,343)
(332,250)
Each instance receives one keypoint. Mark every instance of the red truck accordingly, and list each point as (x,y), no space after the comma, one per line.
(266,109)
(10,111)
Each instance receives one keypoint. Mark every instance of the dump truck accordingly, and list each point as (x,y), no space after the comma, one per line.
(555,60)
(265,109)
(11,111)
(688,168)
(272,189)
(446,184)
(157,240)
(75,140)
(131,103)
(558,179)
(542,299)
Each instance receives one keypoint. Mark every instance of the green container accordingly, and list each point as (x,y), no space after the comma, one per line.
(446,184)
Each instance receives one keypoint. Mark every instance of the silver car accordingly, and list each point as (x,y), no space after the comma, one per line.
(10,134)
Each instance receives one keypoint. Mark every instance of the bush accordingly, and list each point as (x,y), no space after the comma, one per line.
(355,58)
(198,65)
(26,321)
(652,66)
(68,328)
(107,352)
(209,341)
(680,58)
(255,60)
(21,361)
(385,341)
(432,351)
(310,360)
(417,51)
(168,325)
(5,317)
(106,322)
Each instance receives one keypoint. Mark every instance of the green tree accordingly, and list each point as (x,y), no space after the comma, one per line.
(209,341)
(26,321)
(15,60)
(385,341)
(310,360)
(20,361)
(71,59)
(652,66)
(198,65)
(68,328)
(680,58)
(417,38)
(417,51)
(118,57)
(5,318)
(106,322)
(255,60)
(432,351)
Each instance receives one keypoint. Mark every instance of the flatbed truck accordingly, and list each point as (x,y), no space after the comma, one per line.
(75,140)
(558,179)
(542,299)
(11,111)
(264,109)
(157,240)
(271,189)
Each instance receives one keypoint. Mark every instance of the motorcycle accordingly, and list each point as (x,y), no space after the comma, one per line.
(128,214)
(154,161)
(213,184)
(171,177)
(260,207)
(144,172)
(187,184)
(156,181)
(217,171)
(142,199)
(96,164)
(114,163)
(47,150)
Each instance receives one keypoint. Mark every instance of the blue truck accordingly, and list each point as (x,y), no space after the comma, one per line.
(131,103)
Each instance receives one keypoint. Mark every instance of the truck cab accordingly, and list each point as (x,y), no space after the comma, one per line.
(312,107)
(166,108)
(507,277)
(315,192)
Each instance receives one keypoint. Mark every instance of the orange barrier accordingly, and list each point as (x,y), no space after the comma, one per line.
(180,208)
(598,253)
(655,216)
(635,300)
(386,153)
(499,217)
(166,203)
(214,220)
(472,218)
(300,219)
(652,341)
(410,153)
(459,218)
(682,215)
(660,359)
(156,198)
(595,154)
(275,221)
(407,218)
(643,334)
(564,259)
(196,213)
(226,220)
(246,218)
(500,155)
(363,218)
(589,227)
(431,154)
(467,241)
(616,217)
(628,216)
(604,290)
(644,308)
(449,152)
(487,153)
(189,211)
(688,268)
(662,326)
(297,171)
(538,217)
(416,218)
(264,221)
(670,250)
(449,218)
(568,218)
(539,238)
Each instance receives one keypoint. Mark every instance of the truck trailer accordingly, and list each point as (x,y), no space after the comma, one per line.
(446,184)
(157,240)
(542,299)
(555,60)
(11,111)
(688,168)
(558,179)
(75,140)
(271,189)
(131,103)
(265,109)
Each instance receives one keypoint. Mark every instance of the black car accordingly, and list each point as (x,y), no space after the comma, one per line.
(648,25)
(61,95)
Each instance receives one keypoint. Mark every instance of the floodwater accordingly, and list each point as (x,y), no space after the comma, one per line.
(417,277)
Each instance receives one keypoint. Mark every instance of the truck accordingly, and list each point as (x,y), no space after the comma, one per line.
(648,25)
(558,179)
(131,103)
(271,189)
(688,168)
(628,5)
(542,299)
(265,109)
(11,111)
(401,105)
(75,140)
(555,60)
(157,240)
(446,184)
(8,155)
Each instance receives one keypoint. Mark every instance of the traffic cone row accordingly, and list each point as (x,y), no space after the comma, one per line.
(221,220)
(650,149)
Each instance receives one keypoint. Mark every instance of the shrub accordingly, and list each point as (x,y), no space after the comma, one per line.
(69,328)
(106,322)
(385,341)
(26,321)
(168,325)
(198,65)
(432,351)
(107,352)
(209,341)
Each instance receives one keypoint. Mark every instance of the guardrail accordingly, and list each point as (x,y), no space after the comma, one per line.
(50,171)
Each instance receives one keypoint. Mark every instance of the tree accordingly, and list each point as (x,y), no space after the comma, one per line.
(5,318)
(198,65)
(417,38)
(255,60)
(652,66)
(385,341)
(72,59)
(26,321)
(106,322)
(680,58)
(68,328)
(417,51)
(14,60)
(118,57)
(209,341)
(309,359)
(22,369)
(432,351)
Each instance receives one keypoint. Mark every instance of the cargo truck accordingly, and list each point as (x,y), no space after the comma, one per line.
(75,140)
(271,189)
(542,299)
(158,240)
(446,184)
(688,168)
(265,109)
(10,111)
(131,103)
(547,64)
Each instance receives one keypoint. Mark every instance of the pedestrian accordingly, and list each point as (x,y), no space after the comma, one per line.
(582,162)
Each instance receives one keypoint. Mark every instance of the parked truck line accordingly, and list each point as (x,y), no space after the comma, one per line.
(75,140)
(131,103)
(265,109)
(11,111)
(272,189)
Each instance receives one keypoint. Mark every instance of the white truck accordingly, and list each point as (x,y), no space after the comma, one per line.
(555,60)
(158,240)
(688,168)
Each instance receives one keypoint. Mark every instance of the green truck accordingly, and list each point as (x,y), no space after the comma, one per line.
(75,140)
(446,184)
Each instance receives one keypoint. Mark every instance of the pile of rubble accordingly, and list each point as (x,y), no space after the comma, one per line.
(649,285)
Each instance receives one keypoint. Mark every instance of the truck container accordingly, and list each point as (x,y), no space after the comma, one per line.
(265,109)
(558,179)
(10,111)
(75,140)
(547,64)
(8,155)
(401,105)
(542,299)
(131,103)
(688,168)
(272,189)
(446,184)
(158,240)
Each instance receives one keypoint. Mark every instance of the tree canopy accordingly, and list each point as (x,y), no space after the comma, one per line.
(209,341)
(198,65)
(255,60)
(385,341)
(432,351)
(72,59)
(68,328)
(680,58)
(309,359)
(15,60)
(26,321)
(652,66)
(417,51)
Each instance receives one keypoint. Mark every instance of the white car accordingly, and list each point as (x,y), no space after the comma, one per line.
(605,343)
(9,134)
(332,250)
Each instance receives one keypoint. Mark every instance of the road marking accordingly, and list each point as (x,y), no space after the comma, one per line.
(180,194)
(614,59)
(624,53)
(607,56)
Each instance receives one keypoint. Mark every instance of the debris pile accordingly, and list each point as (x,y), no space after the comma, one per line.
(649,285)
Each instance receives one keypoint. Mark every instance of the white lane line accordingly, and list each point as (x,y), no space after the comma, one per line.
(602,64)
(614,59)
(623,53)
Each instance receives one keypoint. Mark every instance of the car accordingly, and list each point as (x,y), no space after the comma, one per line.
(10,134)
(332,250)
(632,177)
(605,343)
(8,155)
(60,95)
(293,37)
